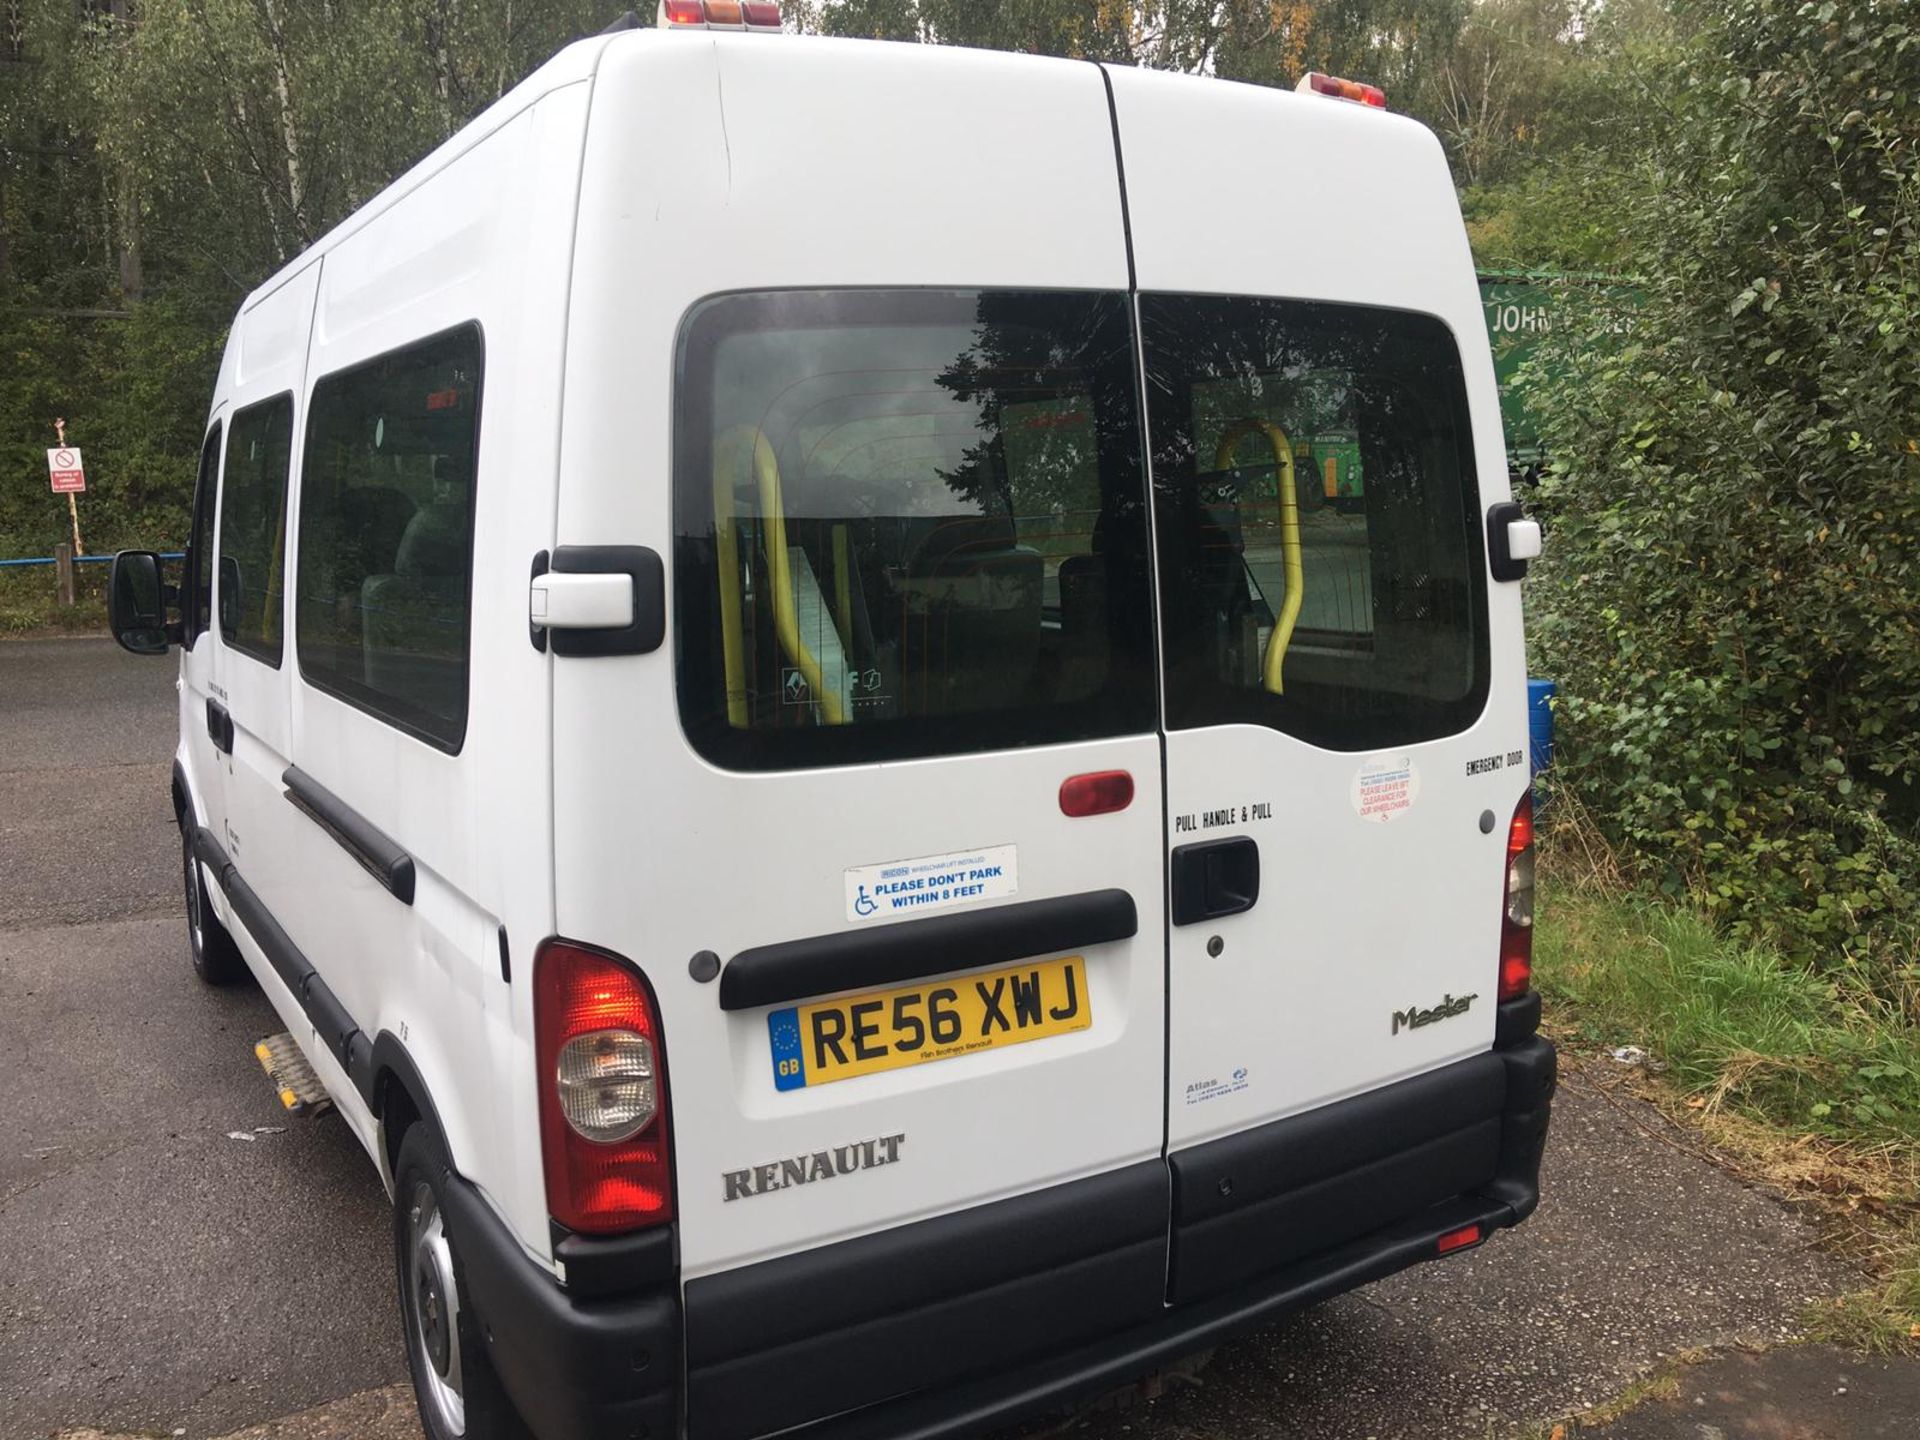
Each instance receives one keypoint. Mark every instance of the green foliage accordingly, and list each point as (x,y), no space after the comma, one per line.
(1739,1023)
(1731,597)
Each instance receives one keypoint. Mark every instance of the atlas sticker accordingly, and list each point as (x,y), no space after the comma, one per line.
(1385,786)
(933,882)
(1213,1087)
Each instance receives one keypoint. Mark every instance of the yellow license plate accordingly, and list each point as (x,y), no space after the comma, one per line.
(889,1029)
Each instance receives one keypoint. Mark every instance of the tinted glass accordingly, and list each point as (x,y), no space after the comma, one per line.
(1321,561)
(909,523)
(386,534)
(253,530)
(199,606)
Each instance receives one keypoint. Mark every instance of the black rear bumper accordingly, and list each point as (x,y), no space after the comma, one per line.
(954,1326)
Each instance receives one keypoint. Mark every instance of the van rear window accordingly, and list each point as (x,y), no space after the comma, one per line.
(908,523)
(1321,564)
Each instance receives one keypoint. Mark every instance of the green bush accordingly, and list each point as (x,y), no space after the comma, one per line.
(1731,596)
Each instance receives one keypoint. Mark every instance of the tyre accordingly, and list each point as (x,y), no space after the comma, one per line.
(216,959)
(459,1395)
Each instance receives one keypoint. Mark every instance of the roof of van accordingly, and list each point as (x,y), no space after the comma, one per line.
(571,65)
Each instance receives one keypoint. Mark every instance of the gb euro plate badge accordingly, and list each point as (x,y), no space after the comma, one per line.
(932,883)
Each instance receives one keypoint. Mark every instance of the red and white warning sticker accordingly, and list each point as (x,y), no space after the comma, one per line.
(1385,786)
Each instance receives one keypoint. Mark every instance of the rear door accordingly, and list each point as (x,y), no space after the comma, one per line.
(892,462)
(1342,710)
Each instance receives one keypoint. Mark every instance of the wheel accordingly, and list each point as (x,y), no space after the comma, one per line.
(453,1380)
(216,959)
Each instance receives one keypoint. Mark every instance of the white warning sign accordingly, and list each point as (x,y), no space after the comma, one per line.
(933,882)
(1385,787)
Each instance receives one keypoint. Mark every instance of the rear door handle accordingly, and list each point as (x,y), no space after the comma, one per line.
(220,727)
(1215,878)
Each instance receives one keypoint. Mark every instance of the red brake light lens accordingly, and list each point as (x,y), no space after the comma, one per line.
(1316,83)
(1101,793)
(1458,1239)
(1516,915)
(602,1078)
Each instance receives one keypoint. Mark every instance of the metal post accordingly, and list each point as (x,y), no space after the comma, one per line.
(63,572)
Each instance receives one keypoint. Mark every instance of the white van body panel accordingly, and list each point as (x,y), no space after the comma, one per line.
(1357,919)
(758,187)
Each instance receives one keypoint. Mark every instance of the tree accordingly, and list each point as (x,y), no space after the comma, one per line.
(1731,596)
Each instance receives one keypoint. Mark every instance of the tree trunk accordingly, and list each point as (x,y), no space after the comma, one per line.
(289,134)
(127,188)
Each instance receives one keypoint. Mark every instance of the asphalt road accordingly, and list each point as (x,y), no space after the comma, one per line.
(177,1257)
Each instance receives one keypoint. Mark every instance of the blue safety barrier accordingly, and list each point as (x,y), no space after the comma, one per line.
(85,559)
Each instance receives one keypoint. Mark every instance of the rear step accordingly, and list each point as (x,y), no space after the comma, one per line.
(299,1088)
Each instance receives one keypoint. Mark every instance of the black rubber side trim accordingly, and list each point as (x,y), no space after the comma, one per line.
(649,576)
(182,793)
(378,855)
(329,1017)
(1517,1020)
(924,1305)
(890,954)
(600,1265)
(1532,1077)
(392,1065)
(576,1369)
(285,957)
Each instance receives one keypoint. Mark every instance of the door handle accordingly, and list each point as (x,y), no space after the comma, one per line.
(220,727)
(1215,878)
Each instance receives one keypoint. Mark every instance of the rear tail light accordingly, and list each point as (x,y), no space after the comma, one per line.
(1100,793)
(1516,916)
(602,1078)
(719,14)
(1314,83)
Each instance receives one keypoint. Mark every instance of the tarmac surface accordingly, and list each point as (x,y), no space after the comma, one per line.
(178,1257)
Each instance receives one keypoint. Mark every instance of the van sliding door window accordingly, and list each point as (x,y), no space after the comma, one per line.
(253,530)
(1321,567)
(908,523)
(386,535)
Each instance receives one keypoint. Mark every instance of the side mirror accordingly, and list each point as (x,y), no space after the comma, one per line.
(137,603)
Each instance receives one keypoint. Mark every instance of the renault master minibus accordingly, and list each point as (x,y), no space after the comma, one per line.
(864,707)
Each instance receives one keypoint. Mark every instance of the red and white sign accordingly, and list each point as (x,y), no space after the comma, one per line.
(69,477)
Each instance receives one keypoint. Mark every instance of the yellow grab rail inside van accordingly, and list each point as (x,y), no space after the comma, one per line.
(727,450)
(1293,570)
(786,609)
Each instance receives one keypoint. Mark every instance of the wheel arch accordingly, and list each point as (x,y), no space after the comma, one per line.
(399,1093)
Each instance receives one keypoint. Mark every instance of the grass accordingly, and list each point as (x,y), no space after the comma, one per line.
(29,603)
(1737,1025)
(1798,1077)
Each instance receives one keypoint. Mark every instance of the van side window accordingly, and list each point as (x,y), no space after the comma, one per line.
(206,494)
(386,534)
(253,530)
(1361,590)
(909,523)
